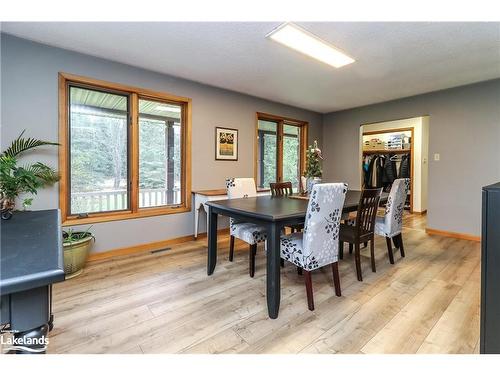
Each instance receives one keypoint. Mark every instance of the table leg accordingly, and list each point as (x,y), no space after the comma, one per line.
(212,241)
(273,270)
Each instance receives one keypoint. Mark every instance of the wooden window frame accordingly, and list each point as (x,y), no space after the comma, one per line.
(134,212)
(280,120)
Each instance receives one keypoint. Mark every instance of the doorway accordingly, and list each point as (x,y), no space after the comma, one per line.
(402,147)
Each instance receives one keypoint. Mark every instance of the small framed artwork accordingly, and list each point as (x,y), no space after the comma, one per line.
(226,144)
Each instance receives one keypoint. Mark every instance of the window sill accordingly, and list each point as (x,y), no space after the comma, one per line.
(127,215)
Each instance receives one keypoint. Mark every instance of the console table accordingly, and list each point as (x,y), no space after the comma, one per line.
(201,197)
(31,261)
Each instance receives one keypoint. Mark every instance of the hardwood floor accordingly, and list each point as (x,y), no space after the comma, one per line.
(427,302)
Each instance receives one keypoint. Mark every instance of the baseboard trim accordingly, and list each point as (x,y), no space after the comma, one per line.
(424,212)
(150,246)
(461,236)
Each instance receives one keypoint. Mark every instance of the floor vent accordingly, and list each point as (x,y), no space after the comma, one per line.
(161,250)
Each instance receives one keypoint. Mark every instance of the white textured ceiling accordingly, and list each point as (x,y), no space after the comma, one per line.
(393,60)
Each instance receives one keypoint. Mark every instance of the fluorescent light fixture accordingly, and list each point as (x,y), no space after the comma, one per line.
(309,44)
(168,109)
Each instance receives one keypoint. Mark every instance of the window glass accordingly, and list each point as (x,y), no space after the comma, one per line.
(98,131)
(266,153)
(159,153)
(291,155)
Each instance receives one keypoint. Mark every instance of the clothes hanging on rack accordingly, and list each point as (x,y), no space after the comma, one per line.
(390,172)
(404,168)
(380,171)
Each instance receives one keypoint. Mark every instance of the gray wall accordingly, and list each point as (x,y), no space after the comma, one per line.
(464,130)
(29,101)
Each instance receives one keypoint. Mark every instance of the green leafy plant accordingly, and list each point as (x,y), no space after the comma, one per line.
(70,236)
(15,180)
(313,157)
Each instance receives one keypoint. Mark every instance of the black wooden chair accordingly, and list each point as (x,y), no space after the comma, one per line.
(363,229)
(281,189)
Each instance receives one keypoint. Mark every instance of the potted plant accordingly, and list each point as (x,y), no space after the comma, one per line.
(313,170)
(76,247)
(16,180)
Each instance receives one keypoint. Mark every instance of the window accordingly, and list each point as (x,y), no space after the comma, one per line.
(159,153)
(124,151)
(281,145)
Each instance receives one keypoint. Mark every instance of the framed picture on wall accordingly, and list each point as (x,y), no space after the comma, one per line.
(226,144)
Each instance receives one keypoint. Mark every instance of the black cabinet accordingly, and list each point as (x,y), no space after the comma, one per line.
(490,270)
(31,260)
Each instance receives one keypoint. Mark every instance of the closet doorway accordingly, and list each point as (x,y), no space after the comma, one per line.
(396,149)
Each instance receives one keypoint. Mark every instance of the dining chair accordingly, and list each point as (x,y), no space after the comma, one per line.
(317,246)
(390,225)
(363,228)
(248,232)
(281,189)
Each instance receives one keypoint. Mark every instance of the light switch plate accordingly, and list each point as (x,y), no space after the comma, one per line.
(437,157)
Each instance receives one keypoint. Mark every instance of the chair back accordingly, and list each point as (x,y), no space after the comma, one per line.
(367,211)
(394,207)
(240,187)
(279,189)
(322,224)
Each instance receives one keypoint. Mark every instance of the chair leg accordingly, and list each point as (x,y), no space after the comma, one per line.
(299,270)
(357,259)
(366,244)
(309,290)
(389,249)
(282,263)
(350,248)
(372,254)
(401,247)
(336,278)
(341,250)
(251,259)
(231,248)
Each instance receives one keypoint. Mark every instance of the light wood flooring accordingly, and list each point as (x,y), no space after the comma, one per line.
(427,302)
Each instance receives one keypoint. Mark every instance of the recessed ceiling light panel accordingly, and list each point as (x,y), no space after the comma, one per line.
(309,44)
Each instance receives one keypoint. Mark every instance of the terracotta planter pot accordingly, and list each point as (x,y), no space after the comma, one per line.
(75,256)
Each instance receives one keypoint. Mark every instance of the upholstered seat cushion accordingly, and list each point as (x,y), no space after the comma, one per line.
(248,232)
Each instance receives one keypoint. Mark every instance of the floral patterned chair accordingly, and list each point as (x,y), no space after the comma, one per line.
(318,244)
(248,232)
(391,224)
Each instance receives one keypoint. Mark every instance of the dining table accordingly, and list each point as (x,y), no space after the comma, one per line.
(273,213)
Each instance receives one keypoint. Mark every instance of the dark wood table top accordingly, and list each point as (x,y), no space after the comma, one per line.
(269,208)
(32,254)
